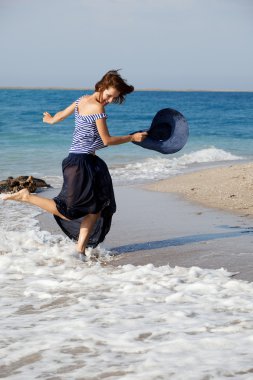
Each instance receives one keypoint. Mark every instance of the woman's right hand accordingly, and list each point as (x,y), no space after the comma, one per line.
(139,136)
(47,118)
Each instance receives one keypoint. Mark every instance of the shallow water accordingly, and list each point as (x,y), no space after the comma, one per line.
(65,319)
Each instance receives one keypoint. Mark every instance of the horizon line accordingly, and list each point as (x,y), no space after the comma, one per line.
(137,89)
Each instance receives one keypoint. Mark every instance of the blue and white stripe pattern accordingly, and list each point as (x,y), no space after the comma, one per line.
(86,138)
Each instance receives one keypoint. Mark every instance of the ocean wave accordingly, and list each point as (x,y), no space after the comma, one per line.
(160,167)
(211,154)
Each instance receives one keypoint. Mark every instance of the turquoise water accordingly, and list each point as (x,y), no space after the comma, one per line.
(221,129)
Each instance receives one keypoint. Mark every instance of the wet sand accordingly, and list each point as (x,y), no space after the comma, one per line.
(162,228)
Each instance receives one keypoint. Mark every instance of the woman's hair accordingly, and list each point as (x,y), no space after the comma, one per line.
(113,79)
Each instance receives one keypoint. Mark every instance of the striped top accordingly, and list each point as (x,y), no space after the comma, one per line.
(86,138)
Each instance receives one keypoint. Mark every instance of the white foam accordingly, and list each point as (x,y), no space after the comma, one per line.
(54,181)
(160,168)
(66,319)
(211,154)
(157,168)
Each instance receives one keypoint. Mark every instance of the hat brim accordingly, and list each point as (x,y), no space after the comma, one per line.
(168,133)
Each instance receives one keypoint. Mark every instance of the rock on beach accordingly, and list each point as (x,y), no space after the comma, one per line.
(13,185)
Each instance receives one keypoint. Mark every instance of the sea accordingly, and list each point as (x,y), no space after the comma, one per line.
(64,319)
(220,125)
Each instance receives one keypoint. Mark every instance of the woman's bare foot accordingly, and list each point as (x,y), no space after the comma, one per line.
(21,196)
(80,256)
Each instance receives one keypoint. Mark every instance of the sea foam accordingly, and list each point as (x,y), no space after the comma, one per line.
(66,319)
(162,167)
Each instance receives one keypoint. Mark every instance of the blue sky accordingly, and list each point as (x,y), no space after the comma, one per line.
(167,44)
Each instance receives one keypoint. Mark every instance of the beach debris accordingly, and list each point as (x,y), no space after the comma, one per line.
(13,185)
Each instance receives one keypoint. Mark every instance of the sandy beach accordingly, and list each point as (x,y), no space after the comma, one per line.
(228,188)
(210,228)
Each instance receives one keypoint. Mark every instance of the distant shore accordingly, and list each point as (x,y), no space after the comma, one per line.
(137,89)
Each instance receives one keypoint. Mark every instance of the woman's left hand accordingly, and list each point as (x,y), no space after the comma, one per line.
(139,136)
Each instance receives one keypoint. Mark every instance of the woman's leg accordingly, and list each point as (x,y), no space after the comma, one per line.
(46,204)
(85,231)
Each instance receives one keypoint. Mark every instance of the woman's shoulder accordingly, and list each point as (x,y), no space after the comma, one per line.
(90,105)
(97,108)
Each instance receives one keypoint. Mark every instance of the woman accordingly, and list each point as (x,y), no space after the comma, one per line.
(86,203)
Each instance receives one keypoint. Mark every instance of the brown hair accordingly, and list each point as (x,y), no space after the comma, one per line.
(113,79)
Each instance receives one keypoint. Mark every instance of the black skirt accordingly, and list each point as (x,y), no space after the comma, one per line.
(87,189)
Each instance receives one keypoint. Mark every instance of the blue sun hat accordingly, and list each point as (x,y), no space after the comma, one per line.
(168,133)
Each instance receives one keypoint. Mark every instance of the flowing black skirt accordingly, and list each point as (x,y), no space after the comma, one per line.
(87,189)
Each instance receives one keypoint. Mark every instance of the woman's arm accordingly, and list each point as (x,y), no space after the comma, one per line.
(59,116)
(116,140)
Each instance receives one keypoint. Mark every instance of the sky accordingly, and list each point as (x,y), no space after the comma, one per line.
(166,44)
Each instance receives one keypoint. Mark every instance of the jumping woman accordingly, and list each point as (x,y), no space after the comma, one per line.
(84,207)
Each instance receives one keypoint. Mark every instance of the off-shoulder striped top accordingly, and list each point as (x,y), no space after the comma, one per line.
(86,138)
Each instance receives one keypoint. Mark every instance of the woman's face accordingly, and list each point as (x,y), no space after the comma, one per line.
(109,95)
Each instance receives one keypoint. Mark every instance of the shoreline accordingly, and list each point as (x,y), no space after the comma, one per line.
(162,228)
